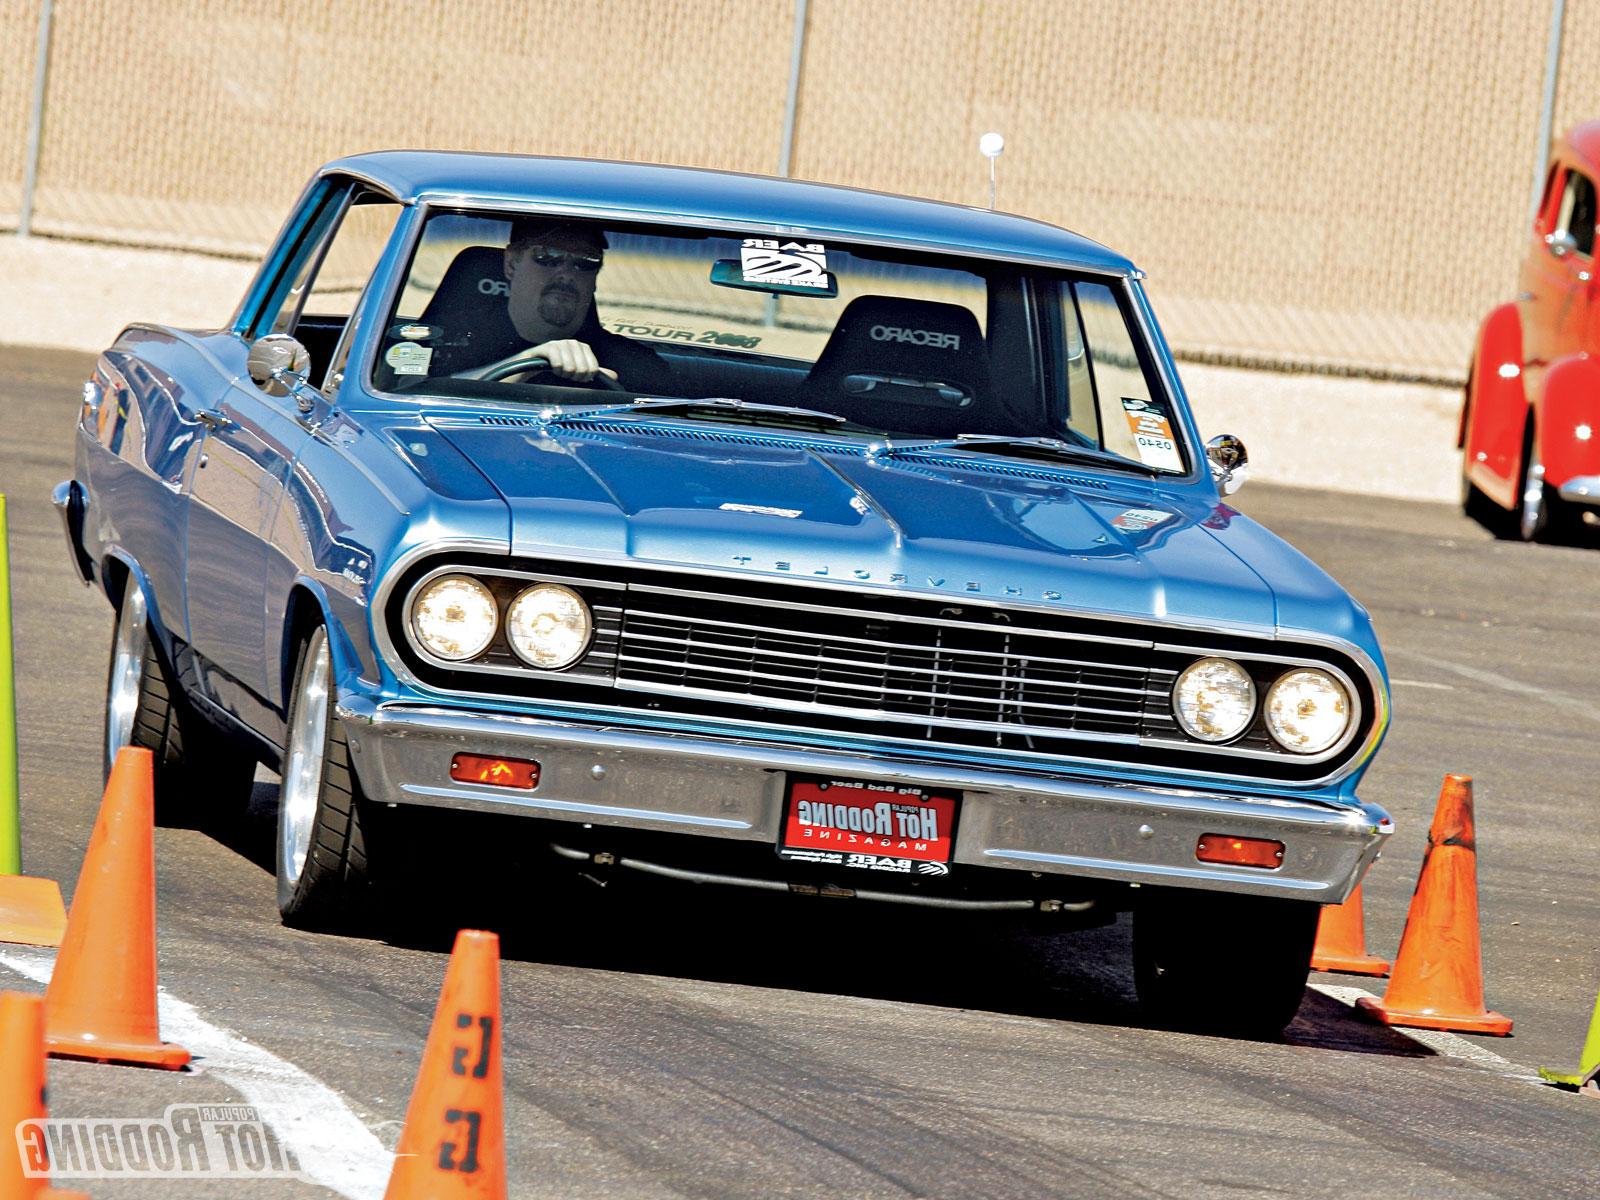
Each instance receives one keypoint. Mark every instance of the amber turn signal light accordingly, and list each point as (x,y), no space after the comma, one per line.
(501,772)
(1239,852)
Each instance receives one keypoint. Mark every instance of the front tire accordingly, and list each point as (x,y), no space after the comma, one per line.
(1542,515)
(1216,962)
(324,878)
(144,708)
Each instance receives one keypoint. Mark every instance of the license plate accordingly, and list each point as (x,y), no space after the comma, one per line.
(869,826)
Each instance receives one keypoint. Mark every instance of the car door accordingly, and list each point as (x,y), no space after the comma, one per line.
(1575,273)
(1542,277)
(249,443)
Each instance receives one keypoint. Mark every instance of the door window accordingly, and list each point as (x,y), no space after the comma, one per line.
(326,270)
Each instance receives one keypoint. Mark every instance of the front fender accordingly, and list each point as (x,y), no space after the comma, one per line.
(1495,412)
(310,605)
(120,571)
(1569,420)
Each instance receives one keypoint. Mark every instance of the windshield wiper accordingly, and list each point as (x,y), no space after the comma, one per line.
(669,405)
(1000,443)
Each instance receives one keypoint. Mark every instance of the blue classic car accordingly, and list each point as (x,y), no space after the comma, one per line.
(752,533)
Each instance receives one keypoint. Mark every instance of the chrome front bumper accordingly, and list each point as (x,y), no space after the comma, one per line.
(728,789)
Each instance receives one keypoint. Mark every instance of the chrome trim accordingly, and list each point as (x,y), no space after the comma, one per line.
(492,206)
(733,788)
(874,714)
(903,668)
(519,669)
(956,698)
(68,499)
(1582,489)
(908,619)
(404,248)
(446,546)
(1293,663)
(777,885)
(1167,369)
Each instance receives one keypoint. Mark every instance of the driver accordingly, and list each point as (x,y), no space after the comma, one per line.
(551,270)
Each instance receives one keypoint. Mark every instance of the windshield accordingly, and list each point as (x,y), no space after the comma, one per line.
(854,340)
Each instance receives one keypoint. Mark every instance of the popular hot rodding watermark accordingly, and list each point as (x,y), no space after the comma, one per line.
(214,1141)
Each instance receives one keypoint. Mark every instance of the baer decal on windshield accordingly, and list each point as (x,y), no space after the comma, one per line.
(799,264)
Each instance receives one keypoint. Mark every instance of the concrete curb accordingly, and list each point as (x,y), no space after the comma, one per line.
(1317,431)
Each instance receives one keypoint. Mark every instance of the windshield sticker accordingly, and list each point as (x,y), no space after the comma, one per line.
(415,333)
(1152,434)
(799,264)
(761,509)
(1136,520)
(408,358)
(676,333)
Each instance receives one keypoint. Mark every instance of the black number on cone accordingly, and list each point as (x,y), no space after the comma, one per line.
(458,1058)
(447,1150)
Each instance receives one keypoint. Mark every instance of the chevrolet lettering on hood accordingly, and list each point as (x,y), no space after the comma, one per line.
(730,532)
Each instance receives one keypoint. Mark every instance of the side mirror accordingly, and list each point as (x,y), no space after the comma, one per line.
(279,365)
(1560,243)
(1230,462)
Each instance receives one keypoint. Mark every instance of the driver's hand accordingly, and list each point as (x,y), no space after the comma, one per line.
(571,359)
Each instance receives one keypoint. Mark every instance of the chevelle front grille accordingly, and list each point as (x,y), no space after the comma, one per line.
(906,673)
(968,676)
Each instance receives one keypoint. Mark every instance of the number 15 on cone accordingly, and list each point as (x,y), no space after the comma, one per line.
(453,1143)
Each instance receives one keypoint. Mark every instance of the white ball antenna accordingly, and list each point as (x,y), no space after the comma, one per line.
(990,145)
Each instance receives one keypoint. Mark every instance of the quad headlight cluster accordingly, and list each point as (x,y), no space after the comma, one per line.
(1306,710)
(456,617)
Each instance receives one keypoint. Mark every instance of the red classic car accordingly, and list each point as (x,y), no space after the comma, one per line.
(1532,406)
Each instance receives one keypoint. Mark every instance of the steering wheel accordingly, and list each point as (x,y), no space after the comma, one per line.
(523,366)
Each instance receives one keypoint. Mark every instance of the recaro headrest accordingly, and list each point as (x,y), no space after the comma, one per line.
(882,339)
(469,307)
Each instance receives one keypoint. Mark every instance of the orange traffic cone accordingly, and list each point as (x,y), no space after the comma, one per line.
(1438,974)
(101,1002)
(31,912)
(453,1144)
(23,1149)
(1342,940)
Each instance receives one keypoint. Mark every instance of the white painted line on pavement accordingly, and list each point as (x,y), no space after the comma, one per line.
(1449,1044)
(1572,704)
(332,1145)
(1422,683)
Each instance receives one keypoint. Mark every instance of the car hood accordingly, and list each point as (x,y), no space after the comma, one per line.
(996,529)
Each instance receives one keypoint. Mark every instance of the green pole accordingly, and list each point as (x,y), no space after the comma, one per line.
(1588,1061)
(10,820)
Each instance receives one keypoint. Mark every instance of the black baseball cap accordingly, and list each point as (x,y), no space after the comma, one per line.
(538,229)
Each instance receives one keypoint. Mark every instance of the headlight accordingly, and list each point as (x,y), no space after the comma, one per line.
(1214,699)
(1307,711)
(454,617)
(548,626)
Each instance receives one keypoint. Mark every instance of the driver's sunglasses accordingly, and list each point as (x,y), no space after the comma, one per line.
(586,261)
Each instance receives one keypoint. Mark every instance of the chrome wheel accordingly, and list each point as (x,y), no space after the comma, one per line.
(303,768)
(1531,505)
(126,679)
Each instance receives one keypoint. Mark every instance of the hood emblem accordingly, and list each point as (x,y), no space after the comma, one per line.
(895,577)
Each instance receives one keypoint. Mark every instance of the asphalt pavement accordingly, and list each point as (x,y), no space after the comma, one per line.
(703,1046)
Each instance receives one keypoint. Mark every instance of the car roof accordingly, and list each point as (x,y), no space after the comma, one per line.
(687,195)
(1584,142)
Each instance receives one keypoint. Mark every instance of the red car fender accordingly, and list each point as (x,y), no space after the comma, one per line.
(1495,412)
(1569,419)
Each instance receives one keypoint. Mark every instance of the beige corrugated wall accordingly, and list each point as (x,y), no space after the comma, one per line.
(1340,183)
